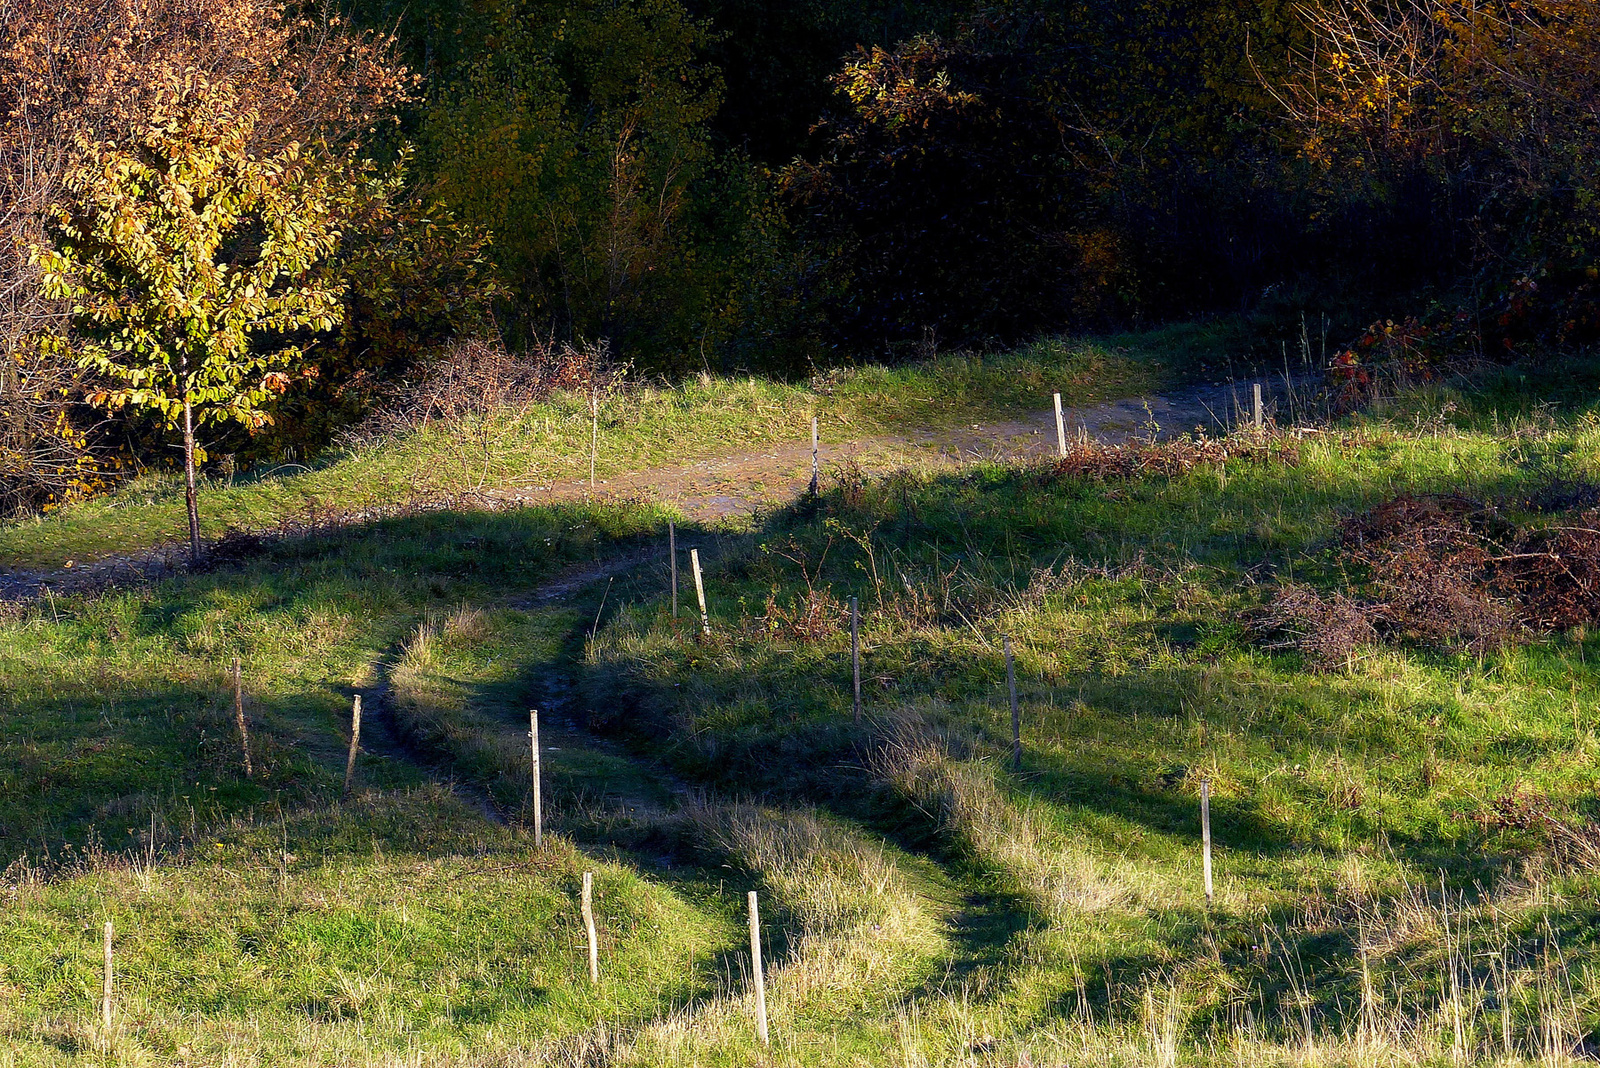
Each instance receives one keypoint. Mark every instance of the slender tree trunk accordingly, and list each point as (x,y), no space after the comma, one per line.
(188,481)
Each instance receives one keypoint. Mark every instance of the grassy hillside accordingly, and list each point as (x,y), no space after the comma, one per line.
(549,441)
(1405,854)
(1401,845)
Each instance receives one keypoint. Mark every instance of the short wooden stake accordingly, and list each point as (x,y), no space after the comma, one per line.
(700,591)
(1205,833)
(588,925)
(1016,717)
(538,805)
(1061,430)
(1257,392)
(756,973)
(238,714)
(355,742)
(672,551)
(105,990)
(594,435)
(855,652)
(815,466)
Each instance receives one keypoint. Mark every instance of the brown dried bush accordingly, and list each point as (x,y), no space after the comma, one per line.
(1328,631)
(1453,569)
(480,376)
(1106,462)
(1572,841)
(1430,561)
(1445,571)
(809,617)
(1553,574)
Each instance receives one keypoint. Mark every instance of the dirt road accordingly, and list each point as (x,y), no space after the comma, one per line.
(742,483)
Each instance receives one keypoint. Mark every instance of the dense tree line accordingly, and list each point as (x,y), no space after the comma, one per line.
(741,184)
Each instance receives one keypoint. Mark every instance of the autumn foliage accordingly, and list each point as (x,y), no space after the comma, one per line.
(120,121)
(702,184)
(1484,120)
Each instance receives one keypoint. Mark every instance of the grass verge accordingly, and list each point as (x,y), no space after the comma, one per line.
(1369,855)
(549,442)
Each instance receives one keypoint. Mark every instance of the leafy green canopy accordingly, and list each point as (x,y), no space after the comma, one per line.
(191,263)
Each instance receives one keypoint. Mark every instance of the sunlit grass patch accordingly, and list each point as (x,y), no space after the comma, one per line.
(393,924)
(549,442)
(1406,777)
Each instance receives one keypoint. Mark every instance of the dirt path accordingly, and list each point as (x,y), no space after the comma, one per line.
(383,736)
(743,484)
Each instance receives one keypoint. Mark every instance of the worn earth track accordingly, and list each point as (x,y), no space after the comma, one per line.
(978,921)
(382,736)
(744,483)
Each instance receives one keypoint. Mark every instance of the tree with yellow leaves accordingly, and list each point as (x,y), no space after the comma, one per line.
(192,263)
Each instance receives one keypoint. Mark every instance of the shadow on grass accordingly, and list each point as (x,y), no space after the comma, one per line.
(116,705)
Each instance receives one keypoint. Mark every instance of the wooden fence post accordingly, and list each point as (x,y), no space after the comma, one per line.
(1061,430)
(238,714)
(538,801)
(594,434)
(355,742)
(1016,717)
(672,551)
(855,652)
(700,591)
(588,926)
(1259,423)
(815,466)
(757,974)
(105,989)
(1205,833)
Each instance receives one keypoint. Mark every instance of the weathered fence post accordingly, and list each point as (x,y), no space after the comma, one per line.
(355,743)
(757,974)
(855,652)
(815,465)
(105,989)
(672,551)
(533,751)
(1259,421)
(1205,833)
(238,714)
(700,591)
(1016,717)
(1061,430)
(588,926)
(594,434)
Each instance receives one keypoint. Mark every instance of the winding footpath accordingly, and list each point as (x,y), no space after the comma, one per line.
(742,484)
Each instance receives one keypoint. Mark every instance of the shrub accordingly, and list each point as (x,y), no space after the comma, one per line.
(1448,572)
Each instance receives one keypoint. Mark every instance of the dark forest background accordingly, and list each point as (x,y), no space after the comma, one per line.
(770,186)
(732,185)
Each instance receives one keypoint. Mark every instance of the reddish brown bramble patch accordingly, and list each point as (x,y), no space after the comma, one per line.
(1106,462)
(1448,572)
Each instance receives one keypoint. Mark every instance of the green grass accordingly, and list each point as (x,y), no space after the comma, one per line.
(353,934)
(1337,799)
(923,903)
(647,426)
(117,706)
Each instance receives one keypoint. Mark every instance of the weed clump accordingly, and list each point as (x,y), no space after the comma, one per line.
(1445,571)
(1326,630)
(1432,566)
(478,377)
(1105,462)
(813,616)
